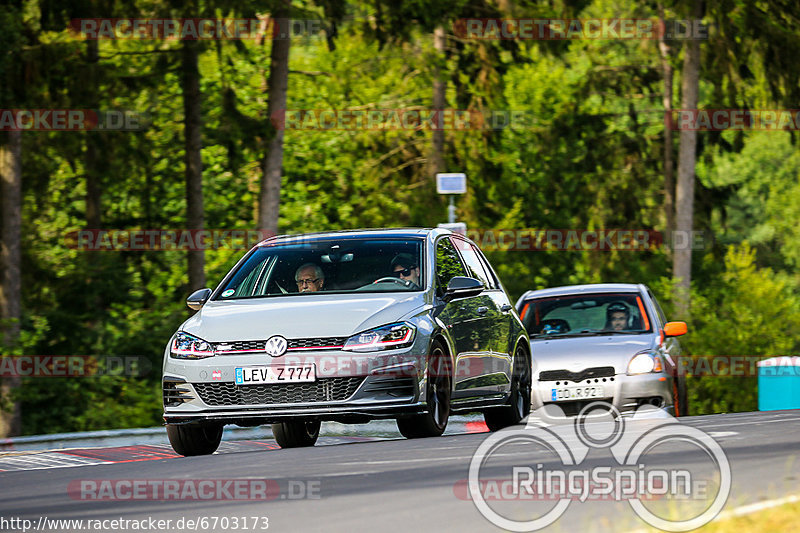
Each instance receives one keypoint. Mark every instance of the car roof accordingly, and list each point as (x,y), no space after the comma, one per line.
(400,233)
(593,288)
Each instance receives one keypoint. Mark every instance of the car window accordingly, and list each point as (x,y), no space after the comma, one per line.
(660,312)
(345,265)
(448,264)
(493,282)
(473,263)
(586,313)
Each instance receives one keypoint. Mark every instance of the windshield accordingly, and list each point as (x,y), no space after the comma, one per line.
(333,266)
(585,315)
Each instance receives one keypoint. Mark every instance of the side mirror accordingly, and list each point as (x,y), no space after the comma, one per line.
(462,287)
(674,329)
(198,298)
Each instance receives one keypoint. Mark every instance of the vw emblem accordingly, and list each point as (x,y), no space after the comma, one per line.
(276,346)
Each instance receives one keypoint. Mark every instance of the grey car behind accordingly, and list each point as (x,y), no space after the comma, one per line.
(581,355)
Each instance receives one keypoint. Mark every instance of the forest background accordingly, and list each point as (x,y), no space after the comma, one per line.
(594,152)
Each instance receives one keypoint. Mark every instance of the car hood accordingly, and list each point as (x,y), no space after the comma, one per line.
(307,316)
(578,353)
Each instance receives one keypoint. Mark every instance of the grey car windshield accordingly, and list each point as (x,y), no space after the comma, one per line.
(586,314)
(329,266)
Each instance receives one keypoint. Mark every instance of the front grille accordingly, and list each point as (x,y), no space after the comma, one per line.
(321,343)
(576,377)
(323,390)
(396,387)
(570,408)
(174,394)
(240,345)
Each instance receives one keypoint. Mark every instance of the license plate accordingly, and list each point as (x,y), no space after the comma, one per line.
(259,375)
(576,393)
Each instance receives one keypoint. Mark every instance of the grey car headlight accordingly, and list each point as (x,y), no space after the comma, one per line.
(388,337)
(644,363)
(185,346)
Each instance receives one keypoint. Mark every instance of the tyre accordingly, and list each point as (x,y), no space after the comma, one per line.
(296,433)
(438,392)
(194,439)
(680,396)
(519,402)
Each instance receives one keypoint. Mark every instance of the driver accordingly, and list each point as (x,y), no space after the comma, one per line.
(309,278)
(405,267)
(617,315)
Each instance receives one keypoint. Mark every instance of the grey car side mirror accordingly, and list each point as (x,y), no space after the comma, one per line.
(198,298)
(462,287)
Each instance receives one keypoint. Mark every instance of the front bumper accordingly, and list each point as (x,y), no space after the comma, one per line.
(368,386)
(626,393)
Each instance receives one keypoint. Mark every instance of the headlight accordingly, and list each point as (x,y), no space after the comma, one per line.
(643,363)
(388,337)
(185,346)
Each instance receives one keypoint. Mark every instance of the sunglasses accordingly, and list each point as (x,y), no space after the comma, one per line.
(302,282)
(404,272)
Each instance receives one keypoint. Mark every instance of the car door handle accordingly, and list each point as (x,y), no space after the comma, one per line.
(482,310)
(505,308)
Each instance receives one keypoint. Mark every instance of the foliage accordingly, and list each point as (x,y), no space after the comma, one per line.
(748,311)
(589,156)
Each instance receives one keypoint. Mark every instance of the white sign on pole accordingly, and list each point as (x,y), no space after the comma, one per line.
(451,183)
(456,227)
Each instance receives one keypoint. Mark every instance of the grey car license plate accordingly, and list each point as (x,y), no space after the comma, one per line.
(259,375)
(576,393)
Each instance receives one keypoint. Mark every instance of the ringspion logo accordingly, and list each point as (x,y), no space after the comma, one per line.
(656,494)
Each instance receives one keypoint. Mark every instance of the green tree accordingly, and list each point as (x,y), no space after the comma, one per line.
(749,311)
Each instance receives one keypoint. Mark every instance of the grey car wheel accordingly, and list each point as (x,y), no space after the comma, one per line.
(194,439)
(438,393)
(296,433)
(519,402)
(680,396)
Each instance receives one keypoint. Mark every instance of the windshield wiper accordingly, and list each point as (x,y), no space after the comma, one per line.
(587,333)
(601,332)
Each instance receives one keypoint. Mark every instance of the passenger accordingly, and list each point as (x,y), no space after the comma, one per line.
(405,267)
(617,316)
(309,278)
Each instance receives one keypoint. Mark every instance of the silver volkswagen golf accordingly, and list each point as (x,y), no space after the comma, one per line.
(350,326)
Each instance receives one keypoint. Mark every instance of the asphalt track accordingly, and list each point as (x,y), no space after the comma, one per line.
(372,483)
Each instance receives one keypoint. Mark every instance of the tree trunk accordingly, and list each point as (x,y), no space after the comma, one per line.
(10,266)
(193,158)
(93,175)
(439,89)
(682,255)
(278,86)
(669,178)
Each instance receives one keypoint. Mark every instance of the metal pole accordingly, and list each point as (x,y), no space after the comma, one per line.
(451,211)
